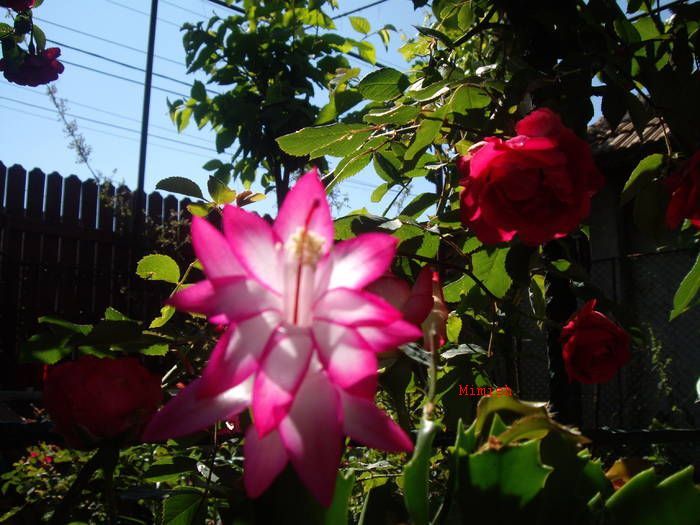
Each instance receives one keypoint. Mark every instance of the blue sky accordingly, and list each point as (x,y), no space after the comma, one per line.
(108,110)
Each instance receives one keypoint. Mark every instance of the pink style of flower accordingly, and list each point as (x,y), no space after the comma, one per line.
(301,345)
(423,305)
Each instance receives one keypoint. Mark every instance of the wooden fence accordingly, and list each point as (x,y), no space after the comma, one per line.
(67,249)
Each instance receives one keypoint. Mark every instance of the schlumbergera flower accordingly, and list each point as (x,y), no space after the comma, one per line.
(301,345)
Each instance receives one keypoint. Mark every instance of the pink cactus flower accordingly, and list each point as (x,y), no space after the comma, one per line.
(301,345)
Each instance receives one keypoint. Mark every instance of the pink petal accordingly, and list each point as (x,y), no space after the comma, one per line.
(255,245)
(237,353)
(351,364)
(364,422)
(392,289)
(359,261)
(264,460)
(384,338)
(240,298)
(199,297)
(312,435)
(284,366)
(213,251)
(190,412)
(306,206)
(421,300)
(354,308)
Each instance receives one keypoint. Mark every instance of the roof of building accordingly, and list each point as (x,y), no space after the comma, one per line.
(604,140)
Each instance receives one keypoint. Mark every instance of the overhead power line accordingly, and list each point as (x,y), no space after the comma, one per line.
(142,12)
(109,124)
(362,8)
(123,137)
(84,33)
(125,79)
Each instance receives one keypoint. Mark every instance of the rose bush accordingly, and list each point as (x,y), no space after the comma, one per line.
(594,347)
(17,5)
(537,185)
(33,70)
(92,399)
(684,187)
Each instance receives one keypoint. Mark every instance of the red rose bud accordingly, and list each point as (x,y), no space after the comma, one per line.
(594,348)
(34,70)
(537,185)
(17,5)
(94,399)
(684,187)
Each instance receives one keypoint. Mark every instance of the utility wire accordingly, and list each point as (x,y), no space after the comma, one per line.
(84,33)
(361,8)
(125,79)
(112,125)
(142,12)
(111,113)
(173,4)
(124,64)
(124,137)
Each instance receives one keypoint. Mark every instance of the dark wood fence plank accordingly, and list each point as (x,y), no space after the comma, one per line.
(30,298)
(51,271)
(68,297)
(122,267)
(11,279)
(87,281)
(105,250)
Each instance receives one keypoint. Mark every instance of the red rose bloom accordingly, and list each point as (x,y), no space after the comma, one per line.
(594,348)
(93,399)
(684,186)
(17,5)
(537,185)
(34,70)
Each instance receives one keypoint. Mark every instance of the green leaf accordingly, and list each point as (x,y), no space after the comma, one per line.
(427,131)
(416,473)
(337,513)
(180,185)
(213,165)
(170,469)
(45,348)
(626,30)
(360,24)
(642,175)
(5,30)
(158,268)
(348,167)
(379,192)
(645,501)
(219,192)
(334,139)
(489,267)
(159,349)
(418,205)
(469,97)
(454,328)
(184,507)
(687,291)
(396,115)
(465,16)
(39,38)
(492,404)
(166,312)
(66,326)
(199,92)
(383,84)
(434,33)
(224,139)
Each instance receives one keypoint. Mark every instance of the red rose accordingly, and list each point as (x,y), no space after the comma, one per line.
(17,5)
(93,399)
(537,185)
(34,70)
(594,348)
(684,186)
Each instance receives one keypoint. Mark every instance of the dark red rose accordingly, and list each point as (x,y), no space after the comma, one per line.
(93,399)
(684,186)
(34,70)
(537,185)
(594,348)
(17,5)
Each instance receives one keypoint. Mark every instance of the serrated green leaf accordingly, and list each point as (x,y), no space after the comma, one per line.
(360,24)
(180,185)
(219,192)
(169,469)
(166,312)
(379,192)
(416,473)
(348,167)
(489,267)
(396,115)
(158,268)
(213,165)
(384,84)
(687,291)
(199,92)
(643,174)
(428,130)
(469,97)
(184,507)
(320,140)
(418,205)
